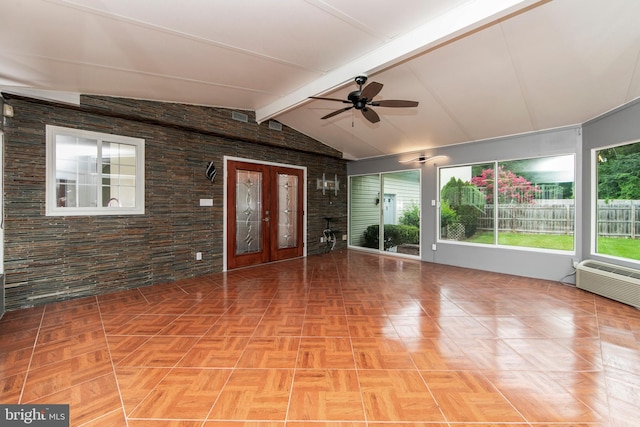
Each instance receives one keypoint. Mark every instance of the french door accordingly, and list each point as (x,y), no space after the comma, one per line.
(264,213)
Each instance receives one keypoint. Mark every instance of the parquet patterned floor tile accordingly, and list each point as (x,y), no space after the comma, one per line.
(326,394)
(311,342)
(234,325)
(87,400)
(254,394)
(381,353)
(58,376)
(440,354)
(66,348)
(214,352)
(189,325)
(15,361)
(325,353)
(540,399)
(159,351)
(282,325)
(183,394)
(371,327)
(145,324)
(466,396)
(270,352)
(397,395)
(136,383)
(325,326)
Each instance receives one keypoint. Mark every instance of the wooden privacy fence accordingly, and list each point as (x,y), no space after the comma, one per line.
(620,218)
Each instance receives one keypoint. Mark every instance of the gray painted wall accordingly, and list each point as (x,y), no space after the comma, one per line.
(619,126)
(517,261)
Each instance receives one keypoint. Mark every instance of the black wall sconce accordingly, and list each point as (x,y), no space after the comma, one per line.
(422,159)
(211,172)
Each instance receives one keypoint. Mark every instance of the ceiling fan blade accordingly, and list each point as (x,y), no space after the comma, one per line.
(330,99)
(371,90)
(395,103)
(335,113)
(370,115)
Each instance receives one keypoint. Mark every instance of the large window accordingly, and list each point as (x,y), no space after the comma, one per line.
(530,200)
(466,211)
(90,173)
(618,201)
(385,212)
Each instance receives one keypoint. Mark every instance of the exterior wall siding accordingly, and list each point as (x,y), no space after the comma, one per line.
(406,193)
(364,209)
(50,259)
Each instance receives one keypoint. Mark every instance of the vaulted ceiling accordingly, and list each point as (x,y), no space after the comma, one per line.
(479,69)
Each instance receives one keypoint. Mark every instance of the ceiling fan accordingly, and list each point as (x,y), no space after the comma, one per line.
(362,99)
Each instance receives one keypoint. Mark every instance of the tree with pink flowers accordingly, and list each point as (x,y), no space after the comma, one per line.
(512,188)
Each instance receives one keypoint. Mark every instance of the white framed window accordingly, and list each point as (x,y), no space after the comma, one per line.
(526,203)
(92,173)
(616,201)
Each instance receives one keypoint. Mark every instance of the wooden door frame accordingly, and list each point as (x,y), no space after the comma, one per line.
(225,235)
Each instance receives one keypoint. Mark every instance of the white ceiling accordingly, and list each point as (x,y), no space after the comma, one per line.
(479,69)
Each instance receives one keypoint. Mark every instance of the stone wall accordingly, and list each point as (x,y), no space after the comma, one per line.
(2,308)
(56,258)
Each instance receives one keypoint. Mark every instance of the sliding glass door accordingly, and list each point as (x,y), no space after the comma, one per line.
(364,211)
(384,212)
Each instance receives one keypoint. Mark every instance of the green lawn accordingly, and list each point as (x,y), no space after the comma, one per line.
(545,241)
(624,248)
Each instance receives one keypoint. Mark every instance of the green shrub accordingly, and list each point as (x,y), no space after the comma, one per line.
(371,237)
(447,214)
(411,215)
(394,235)
(468,216)
(466,201)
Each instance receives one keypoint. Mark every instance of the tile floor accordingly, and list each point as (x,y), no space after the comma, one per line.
(341,339)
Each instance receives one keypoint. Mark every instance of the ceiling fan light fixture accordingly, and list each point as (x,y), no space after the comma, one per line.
(362,99)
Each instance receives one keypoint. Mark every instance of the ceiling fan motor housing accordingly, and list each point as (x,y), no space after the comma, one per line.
(358,103)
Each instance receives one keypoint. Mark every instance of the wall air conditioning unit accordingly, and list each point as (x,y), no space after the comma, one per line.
(617,283)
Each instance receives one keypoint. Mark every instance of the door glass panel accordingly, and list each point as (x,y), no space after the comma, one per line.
(364,211)
(401,212)
(248,212)
(287,211)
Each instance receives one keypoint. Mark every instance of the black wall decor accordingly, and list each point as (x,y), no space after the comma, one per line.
(211,172)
